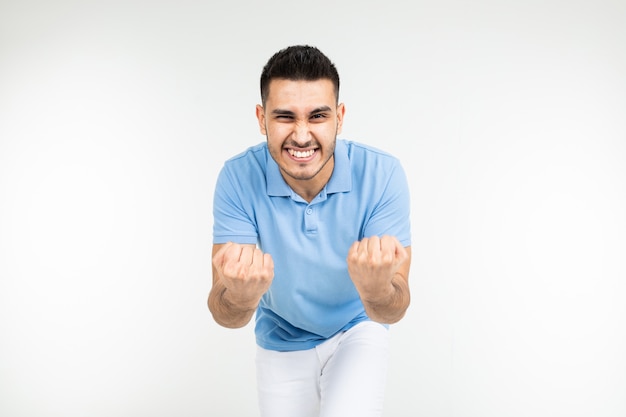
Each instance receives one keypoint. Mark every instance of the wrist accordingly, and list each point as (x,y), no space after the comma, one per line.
(240,304)
(379,296)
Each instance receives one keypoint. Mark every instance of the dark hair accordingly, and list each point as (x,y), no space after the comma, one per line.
(299,62)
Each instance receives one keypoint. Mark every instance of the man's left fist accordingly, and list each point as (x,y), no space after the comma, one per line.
(372,263)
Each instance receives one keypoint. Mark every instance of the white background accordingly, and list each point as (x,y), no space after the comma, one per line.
(510,120)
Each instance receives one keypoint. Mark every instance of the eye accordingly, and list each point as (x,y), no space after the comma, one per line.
(319,116)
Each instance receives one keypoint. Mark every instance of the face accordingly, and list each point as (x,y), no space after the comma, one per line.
(301,121)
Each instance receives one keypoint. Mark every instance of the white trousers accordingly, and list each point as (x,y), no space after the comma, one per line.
(343,377)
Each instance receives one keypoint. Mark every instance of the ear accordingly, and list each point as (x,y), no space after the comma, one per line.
(341,111)
(260,115)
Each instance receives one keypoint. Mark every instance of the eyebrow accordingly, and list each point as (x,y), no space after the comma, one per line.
(283,112)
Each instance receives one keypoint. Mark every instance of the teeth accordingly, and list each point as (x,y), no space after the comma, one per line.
(299,154)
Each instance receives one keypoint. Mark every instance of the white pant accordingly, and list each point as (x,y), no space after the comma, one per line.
(343,377)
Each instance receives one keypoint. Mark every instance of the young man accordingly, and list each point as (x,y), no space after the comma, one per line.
(312,234)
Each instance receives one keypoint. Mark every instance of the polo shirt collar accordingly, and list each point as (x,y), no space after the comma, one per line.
(340,180)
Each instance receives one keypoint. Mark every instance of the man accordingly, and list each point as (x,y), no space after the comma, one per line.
(312,234)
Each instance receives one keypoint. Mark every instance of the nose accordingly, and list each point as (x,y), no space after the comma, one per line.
(301,133)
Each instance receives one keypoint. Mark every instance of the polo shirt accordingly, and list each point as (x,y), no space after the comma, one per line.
(311,297)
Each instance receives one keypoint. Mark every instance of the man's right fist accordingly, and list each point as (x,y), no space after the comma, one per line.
(245,271)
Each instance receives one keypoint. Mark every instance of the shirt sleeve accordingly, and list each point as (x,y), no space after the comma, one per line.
(391,215)
(231,222)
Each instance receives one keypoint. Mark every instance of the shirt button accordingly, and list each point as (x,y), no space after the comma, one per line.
(309,211)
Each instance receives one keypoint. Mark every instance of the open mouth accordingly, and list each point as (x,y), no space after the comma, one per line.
(304,155)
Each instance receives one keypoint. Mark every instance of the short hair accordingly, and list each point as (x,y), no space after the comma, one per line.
(296,63)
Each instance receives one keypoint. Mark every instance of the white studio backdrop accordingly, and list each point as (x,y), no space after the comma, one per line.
(509,118)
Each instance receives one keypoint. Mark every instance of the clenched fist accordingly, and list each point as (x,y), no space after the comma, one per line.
(373,263)
(245,272)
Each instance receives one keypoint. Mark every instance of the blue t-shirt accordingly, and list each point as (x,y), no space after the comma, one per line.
(312,296)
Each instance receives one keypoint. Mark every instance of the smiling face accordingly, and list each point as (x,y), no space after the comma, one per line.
(301,120)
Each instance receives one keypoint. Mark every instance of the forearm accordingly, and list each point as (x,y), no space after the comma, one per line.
(391,306)
(225,312)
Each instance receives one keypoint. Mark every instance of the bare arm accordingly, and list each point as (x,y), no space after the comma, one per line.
(379,268)
(241,275)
